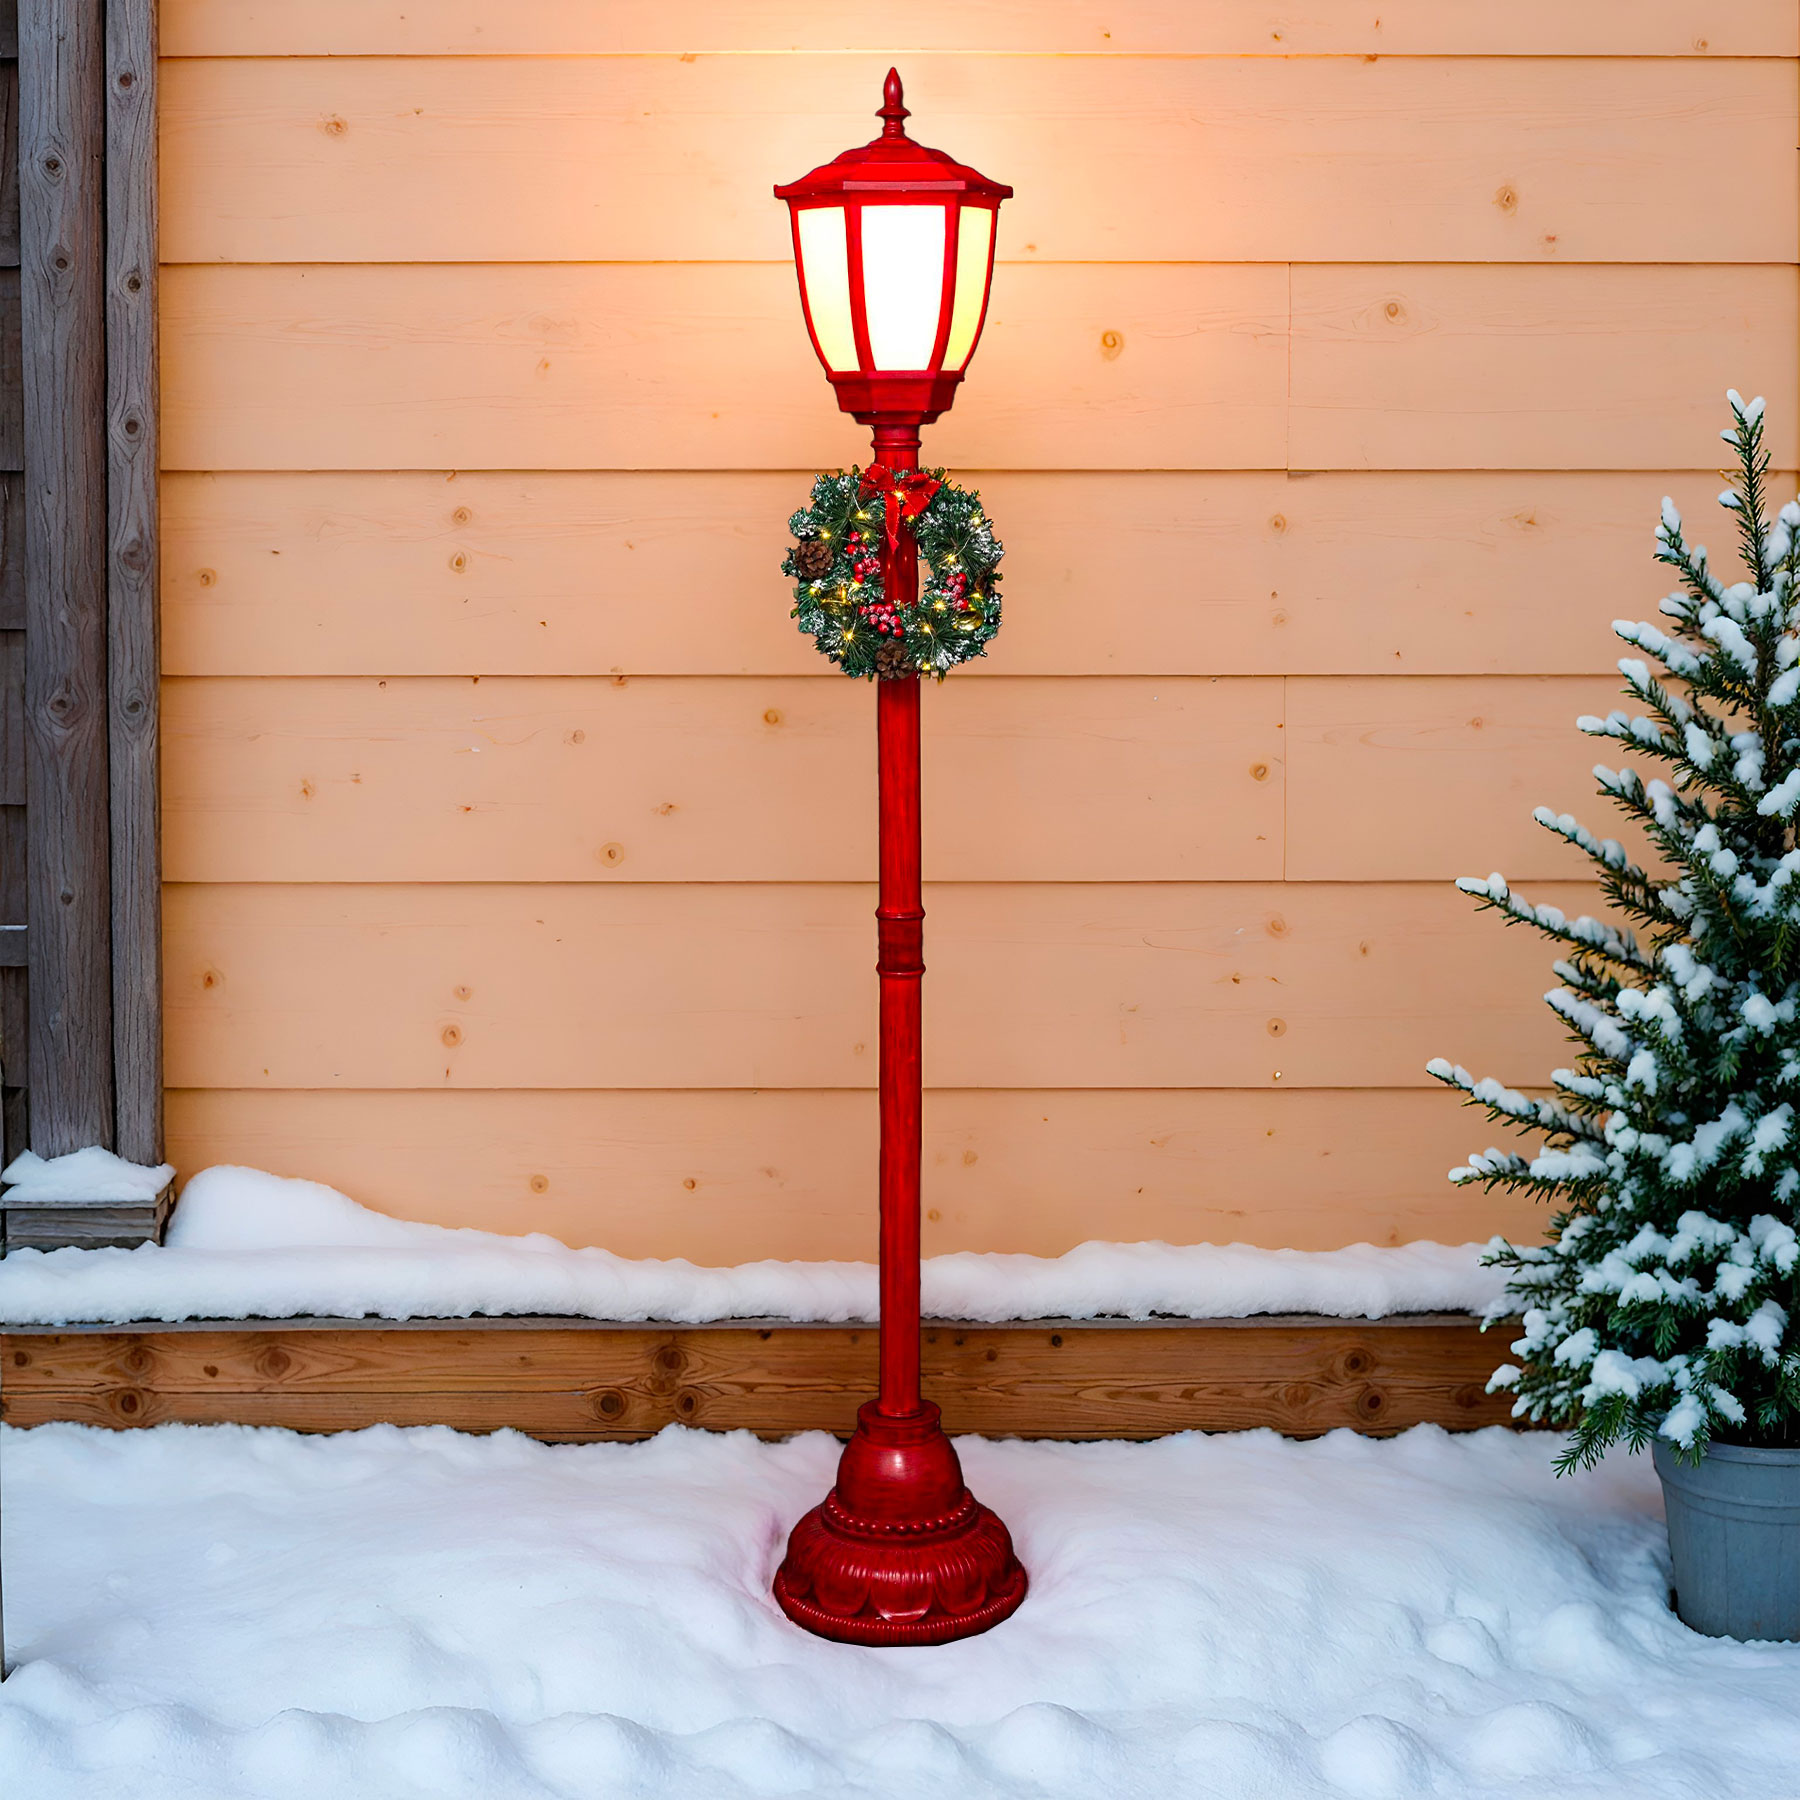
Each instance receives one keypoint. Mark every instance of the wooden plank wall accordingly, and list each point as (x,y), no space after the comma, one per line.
(519,851)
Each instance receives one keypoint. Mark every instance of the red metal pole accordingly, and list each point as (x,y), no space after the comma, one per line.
(900,963)
(900,1552)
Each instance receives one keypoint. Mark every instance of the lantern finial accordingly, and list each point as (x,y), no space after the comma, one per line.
(893,107)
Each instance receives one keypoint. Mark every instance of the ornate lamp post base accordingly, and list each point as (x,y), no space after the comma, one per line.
(900,1552)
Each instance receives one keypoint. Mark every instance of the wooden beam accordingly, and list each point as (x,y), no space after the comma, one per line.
(572,1380)
(61,112)
(132,577)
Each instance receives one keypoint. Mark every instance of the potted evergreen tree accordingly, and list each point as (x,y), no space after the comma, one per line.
(1660,1309)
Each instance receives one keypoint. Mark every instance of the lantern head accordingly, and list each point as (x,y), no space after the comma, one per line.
(895,248)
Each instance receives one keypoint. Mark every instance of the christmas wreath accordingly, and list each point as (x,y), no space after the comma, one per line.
(848,534)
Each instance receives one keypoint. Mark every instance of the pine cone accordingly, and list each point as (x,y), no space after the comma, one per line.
(812,559)
(893,658)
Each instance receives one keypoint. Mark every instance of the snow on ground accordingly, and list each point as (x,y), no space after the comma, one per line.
(248,1245)
(225,1613)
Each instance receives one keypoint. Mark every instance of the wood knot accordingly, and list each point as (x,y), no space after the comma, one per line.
(1112,345)
(273,1362)
(609,1403)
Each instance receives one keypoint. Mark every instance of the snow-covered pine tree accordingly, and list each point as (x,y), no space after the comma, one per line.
(1662,1301)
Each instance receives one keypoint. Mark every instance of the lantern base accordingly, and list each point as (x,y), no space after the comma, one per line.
(900,1552)
(882,397)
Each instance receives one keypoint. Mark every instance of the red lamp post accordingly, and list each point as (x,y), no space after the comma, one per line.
(895,249)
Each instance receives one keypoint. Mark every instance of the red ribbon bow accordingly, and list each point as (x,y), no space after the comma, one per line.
(904,496)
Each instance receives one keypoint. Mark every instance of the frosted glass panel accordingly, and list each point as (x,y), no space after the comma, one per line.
(825,261)
(903,282)
(974,245)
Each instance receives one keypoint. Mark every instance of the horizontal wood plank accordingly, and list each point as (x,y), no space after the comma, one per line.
(1218,573)
(1146,27)
(1107,778)
(1423,778)
(1141,365)
(1123,985)
(756,779)
(1447,367)
(730,1176)
(1060,1380)
(1384,159)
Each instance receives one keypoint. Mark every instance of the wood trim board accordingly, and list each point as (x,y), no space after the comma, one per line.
(579,1380)
(69,881)
(133,572)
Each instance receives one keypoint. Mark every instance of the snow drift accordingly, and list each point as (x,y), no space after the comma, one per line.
(249,1245)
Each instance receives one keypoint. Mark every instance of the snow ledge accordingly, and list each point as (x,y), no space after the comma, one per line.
(246,1245)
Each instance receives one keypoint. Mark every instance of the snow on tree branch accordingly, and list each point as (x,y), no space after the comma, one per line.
(1663,1300)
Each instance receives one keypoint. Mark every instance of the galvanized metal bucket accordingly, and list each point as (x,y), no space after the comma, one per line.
(1734,1532)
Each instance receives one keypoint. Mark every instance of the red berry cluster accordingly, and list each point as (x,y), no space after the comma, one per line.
(883,616)
(864,562)
(957,587)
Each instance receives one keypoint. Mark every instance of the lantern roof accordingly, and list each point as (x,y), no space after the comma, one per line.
(893,163)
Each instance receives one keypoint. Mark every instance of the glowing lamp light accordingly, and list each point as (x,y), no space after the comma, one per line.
(894,244)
